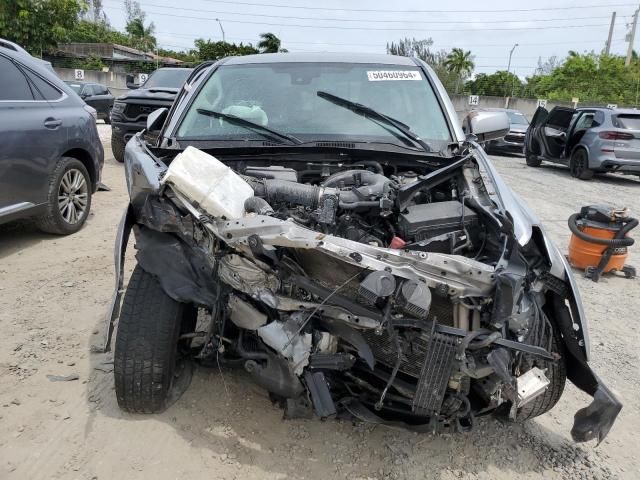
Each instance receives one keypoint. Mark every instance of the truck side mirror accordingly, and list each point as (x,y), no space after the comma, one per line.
(131,85)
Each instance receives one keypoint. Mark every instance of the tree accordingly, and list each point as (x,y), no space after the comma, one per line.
(208,50)
(142,37)
(269,43)
(590,77)
(87,31)
(94,12)
(499,84)
(410,47)
(460,64)
(38,25)
(189,57)
(92,62)
(548,66)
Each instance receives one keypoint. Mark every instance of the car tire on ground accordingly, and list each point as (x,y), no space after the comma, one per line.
(117,147)
(556,372)
(68,198)
(579,165)
(107,119)
(149,368)
(532,160)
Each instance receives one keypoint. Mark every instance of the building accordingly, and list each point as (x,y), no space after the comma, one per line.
(115,58)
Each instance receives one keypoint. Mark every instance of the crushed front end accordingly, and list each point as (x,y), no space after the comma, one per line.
(385,292)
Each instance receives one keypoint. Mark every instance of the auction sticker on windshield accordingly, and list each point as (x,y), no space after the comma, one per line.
(381,75)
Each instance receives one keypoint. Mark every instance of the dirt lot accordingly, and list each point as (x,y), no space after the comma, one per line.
(53,296)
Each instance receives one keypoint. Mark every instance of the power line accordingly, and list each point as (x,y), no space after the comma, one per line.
(300,7)
(404,29)
(382,44)
(336,19)
(311,51)
(321,45)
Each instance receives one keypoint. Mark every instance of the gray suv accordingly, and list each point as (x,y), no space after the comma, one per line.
(588,140)
(51,156)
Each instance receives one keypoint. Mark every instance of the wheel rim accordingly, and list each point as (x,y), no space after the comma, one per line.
(73,196)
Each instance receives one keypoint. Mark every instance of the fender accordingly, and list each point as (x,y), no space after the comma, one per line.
(595,420)
(525,224)
(122,238)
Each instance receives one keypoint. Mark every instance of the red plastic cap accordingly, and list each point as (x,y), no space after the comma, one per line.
(397,243)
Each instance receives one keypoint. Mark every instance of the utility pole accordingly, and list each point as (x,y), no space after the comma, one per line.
(510,55)
(513,84)
(608,44)
(632,37)
(221,29)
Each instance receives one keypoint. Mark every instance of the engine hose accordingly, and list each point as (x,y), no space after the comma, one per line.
(283,191)
(349,176)
(258,205)
(358,204)
(372,163)
(629,224)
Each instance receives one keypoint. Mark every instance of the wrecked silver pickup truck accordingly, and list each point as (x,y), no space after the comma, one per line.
(323,222)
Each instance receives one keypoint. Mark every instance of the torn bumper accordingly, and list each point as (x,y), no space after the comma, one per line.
(595,420)
(591,422)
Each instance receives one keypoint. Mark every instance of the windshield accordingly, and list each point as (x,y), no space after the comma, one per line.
(517,118)
(285,97)
(167,78)
(76,87)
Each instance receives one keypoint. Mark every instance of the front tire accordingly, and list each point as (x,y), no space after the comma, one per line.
(117,148)
(532,160)
(556,372)
(579,165)
(149,369)
(68,198)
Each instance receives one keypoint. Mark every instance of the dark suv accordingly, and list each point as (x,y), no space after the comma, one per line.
(129,113)
(50,156)
(95,95)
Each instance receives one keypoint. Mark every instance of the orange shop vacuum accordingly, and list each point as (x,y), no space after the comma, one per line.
(599,240)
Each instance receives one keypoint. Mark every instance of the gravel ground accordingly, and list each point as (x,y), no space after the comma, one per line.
(54,293)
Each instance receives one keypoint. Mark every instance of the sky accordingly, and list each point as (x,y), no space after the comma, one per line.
(489,29)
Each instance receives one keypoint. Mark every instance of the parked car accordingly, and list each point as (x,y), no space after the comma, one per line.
(513,141)
(322,221)
(17,48)
(130,111)
(50,157)
(588,140)
(96,95)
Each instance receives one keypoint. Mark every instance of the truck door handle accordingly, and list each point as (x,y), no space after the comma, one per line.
(52,123)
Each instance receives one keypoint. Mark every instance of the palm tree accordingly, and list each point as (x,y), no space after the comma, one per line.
(141,36)
(460,63)
(269,43)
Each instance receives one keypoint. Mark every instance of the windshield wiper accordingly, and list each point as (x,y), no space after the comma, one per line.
(372,114)
(249,124)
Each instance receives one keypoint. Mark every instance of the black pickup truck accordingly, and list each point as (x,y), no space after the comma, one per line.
(130,111)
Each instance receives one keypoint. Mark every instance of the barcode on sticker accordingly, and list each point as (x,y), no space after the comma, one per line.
(382,75)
